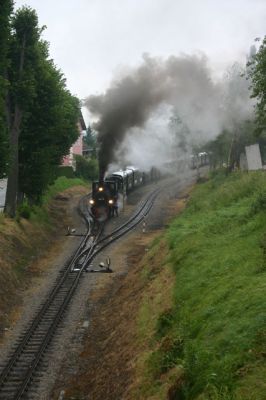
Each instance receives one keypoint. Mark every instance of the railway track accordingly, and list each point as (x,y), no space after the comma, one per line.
(17,376)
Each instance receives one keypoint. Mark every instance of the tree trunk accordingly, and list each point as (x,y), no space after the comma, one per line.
(12,183)
(232,153)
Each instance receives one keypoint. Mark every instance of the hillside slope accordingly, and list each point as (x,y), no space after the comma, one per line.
(210,344)
(25,242)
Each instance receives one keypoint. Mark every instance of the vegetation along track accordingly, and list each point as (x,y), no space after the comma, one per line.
(17,377)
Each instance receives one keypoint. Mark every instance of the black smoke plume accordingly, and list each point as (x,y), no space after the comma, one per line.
(182,82)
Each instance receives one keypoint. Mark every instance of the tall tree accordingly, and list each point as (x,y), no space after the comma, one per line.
(22,89)
(91,141)
(5,14)
(90,137)
(48,131)
(257,73)
(227,147)
(43,113)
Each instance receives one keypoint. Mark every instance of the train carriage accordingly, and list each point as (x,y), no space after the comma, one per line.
(109,196)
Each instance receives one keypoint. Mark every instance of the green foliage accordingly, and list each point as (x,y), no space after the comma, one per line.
(48,131)
(23,57)
(216,327)
(90,138)
(259,202)
(24,211)
(49,123)
(164,323)
(62,183)
(227,147)
(87,169)
(22,91)
(66,171)
(5,13)
(166,357)
(42,114)
(257,73)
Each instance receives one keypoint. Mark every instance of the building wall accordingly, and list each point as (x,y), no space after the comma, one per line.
(3,184)
(253,157)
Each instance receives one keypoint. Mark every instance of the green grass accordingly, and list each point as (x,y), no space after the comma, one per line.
(218,252)
(62,183)
(39,213)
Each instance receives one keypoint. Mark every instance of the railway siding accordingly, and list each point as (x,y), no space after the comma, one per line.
(16,381)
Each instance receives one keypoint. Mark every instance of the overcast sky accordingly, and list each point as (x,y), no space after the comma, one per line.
(91,40)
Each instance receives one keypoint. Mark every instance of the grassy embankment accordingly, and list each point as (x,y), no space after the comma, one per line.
(209,341)
(22,241)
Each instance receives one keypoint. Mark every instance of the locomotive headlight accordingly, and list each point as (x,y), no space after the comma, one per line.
(100,189)
(91,201)
(111,201)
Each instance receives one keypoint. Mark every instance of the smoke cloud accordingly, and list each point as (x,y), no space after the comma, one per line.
(140,110)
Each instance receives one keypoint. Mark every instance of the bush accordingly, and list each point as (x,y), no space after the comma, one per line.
(86,169)
(65,171)
(24,211)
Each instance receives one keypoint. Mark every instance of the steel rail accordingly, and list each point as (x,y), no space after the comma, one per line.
(54,307)
(127,226)
(43,310)
(51,298)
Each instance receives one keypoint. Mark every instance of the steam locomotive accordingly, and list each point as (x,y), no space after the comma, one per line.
(108,195)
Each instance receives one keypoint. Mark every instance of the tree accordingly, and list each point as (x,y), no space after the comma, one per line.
(43,114)
(90,137)
(227,147)
(5,14)
(48,131)
(238,107)
(22,89)
(91,140)
(257,74)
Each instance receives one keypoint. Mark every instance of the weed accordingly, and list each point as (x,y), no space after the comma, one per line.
(167,356)
(164,323)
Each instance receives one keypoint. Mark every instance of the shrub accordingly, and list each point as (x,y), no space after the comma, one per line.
(24,211)
(86,169)
(65,171)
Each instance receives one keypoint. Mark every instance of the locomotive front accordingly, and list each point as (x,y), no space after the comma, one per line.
(103,200)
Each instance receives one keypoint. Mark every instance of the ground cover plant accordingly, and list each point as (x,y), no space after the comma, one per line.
(214,333)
